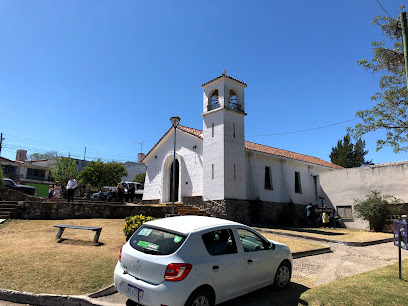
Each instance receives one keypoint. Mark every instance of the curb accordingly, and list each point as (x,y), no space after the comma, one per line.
(348,243)
(311,252)
(103,292)
(48,299)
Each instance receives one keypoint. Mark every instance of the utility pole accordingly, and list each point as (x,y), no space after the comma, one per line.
(1,141)
(403,19)
(85,154)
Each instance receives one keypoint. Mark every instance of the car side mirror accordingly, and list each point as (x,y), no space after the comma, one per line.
(271,245)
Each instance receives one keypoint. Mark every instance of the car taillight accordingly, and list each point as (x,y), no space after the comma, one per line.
(177,271)
(120,254)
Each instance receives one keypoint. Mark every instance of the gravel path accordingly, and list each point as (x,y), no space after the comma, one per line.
(344,261)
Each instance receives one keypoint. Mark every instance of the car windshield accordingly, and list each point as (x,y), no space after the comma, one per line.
(157,242)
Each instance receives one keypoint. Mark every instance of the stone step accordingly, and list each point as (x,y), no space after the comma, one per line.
(8,205)
(187,210)
(4,216)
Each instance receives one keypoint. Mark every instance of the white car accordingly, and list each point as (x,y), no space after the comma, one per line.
(193,260)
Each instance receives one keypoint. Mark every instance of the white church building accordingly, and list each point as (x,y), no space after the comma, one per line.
(216,169)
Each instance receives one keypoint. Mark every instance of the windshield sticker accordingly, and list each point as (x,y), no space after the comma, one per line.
(145,232)
(177,239)
(148,245)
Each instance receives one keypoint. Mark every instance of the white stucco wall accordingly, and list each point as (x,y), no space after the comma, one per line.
(213,152)
(190,171)
(283,179)
(341,187)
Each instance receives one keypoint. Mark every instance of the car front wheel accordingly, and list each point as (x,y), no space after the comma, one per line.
(283,274)
(200,298)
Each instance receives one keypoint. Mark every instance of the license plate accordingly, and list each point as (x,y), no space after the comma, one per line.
(135,291)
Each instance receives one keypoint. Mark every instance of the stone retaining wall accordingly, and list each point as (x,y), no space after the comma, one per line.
(66,210)
(253,212)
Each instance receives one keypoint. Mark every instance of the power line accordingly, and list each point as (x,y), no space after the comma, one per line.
(384,9)
(306,130)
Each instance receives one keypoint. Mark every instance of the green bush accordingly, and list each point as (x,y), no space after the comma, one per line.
(375,209)
(133,223)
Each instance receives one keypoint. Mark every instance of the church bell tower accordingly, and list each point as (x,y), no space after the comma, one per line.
(224,139)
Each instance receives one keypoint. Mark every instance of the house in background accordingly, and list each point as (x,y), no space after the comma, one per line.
(134,168)
(218,170)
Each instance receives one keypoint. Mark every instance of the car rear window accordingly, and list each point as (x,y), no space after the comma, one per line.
(150,240)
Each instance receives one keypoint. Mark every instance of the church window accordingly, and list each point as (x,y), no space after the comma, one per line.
(214,101)
(212,129)
(233,101)
(268,178)
(345,212)
(298,185)
(212,171)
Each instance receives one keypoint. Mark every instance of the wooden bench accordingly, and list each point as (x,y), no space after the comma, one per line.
(62,227)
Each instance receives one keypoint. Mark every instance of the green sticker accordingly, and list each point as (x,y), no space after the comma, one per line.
(177,239)
(148,245)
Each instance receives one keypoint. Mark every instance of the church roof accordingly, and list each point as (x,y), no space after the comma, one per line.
(221,76)
(270,150)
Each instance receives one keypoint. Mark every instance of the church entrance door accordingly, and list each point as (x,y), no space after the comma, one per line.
(177,182)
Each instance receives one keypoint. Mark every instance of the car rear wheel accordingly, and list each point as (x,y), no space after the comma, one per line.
(200,298)
(283,274)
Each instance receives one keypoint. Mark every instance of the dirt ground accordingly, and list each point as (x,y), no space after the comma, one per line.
(309,272)
(313,271)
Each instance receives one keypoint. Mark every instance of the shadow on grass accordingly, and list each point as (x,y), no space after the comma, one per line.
(79,242)
(271,296)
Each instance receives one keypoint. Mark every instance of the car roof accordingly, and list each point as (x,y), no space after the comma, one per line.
(188,224)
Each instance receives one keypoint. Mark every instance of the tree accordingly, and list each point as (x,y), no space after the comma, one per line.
(390,111)
(63,169)
(46,155)
(99,174)
(140,178)
(375,209)
(348,155)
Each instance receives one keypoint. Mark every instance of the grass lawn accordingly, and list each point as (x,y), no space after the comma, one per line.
(341,234)
(378,287)
(294,244)
(33,260)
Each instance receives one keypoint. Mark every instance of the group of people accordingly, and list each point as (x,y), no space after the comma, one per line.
(54,192)
(126,192)
(310,214)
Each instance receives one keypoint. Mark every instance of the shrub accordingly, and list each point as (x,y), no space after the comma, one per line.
(375,209)
(133,223)
(140,178)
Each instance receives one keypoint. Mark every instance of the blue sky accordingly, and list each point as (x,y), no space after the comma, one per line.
(106,74)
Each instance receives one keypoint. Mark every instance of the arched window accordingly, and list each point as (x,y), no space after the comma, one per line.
(214,102)
(233,101)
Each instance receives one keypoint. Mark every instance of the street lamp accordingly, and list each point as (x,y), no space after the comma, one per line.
(175,122)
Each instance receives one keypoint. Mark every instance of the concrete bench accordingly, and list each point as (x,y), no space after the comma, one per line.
(62,227)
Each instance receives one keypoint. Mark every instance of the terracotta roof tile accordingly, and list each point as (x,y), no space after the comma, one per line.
(288,154)
(270,150)
(224,75)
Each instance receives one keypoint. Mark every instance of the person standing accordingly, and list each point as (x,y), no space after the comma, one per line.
(309,214)
(72,184)
(325,218)
(57,191)
(120,193)
(132,190)
(50,192)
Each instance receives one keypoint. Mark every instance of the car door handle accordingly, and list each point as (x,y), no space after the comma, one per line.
(216,267)
(250,261)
